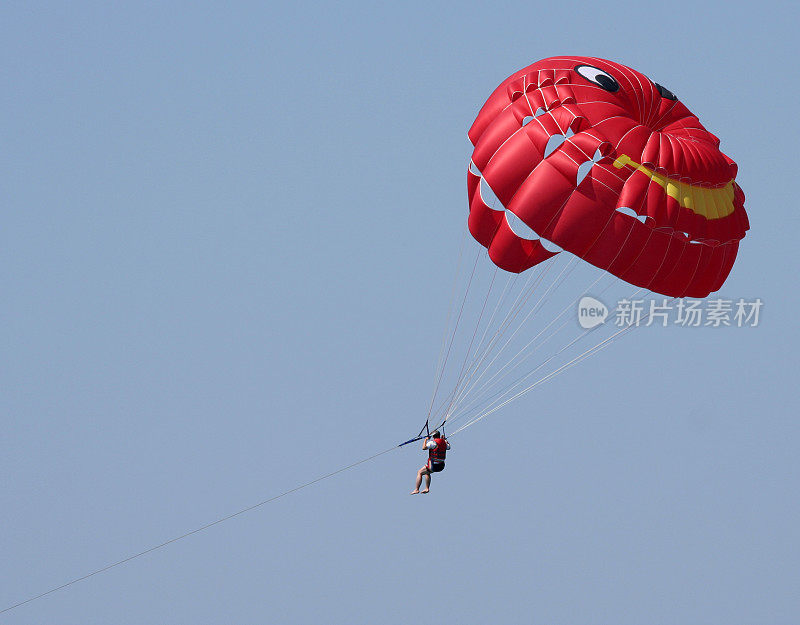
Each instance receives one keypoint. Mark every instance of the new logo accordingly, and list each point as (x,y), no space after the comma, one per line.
(591,312)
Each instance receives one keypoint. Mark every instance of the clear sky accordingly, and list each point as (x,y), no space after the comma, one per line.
(228,237)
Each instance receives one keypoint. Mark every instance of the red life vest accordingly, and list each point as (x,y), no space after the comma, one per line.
(439,452)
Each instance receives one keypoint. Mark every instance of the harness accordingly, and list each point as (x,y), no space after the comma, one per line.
(438,453)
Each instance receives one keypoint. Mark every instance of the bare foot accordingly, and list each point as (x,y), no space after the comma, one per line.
(424,492)
(415,492)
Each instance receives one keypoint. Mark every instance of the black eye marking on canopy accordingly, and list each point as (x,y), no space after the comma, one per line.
(598,77)
(665,93)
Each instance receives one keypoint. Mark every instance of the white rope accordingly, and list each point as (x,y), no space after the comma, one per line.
(475,331)
(197,530)
(452,338)
(476,396)
(488,382)
(445,404)
(485,397)
(445,332)
(580,358)
(521,380)
(555,284)
(513,312)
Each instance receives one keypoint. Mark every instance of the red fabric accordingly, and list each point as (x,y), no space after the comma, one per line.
(672,248)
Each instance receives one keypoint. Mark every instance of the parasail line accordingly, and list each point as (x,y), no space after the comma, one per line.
(445,404)
(521,356)
(453,336)
(568,268)
(516,308)
(450,306)
(465,393)
(480,356)
(474,334)
(520,380)
(483,399)
(511,279)
(195,531)
(580,358)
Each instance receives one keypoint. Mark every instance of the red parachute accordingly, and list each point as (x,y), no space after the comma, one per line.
(587,156)
(637,186)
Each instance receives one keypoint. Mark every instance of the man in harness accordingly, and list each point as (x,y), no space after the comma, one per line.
(436,446)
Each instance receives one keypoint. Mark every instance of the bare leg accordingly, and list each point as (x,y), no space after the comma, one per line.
(427,483)
(420,473)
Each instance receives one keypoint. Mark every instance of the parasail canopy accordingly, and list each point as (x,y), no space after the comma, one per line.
(598,160)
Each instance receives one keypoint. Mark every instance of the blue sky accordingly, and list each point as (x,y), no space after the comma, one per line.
(228,239)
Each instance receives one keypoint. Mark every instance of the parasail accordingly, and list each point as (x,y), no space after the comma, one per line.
(589,159)
(601,161)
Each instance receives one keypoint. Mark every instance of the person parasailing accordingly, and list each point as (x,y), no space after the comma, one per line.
(436,445)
